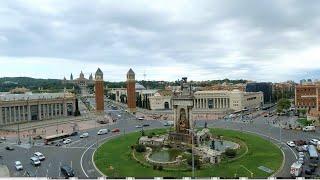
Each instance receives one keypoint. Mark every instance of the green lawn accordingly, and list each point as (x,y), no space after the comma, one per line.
(116,154)
(304,122)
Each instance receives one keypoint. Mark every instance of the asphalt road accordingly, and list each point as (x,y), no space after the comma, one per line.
(78,154)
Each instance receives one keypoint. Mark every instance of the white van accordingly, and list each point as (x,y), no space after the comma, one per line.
(103,131)
(309,128)
(296,169)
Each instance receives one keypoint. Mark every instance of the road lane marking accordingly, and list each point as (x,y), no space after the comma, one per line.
(71,164)
(59,169)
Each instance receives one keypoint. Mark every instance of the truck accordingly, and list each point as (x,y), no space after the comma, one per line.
(296,169)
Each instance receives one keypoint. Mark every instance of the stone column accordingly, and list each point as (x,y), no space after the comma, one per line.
(10,115)
(39,111)
(23,114)
(194,103)
(48,110)
(19,114)
(14,114)
(51,105)
(5,116)
(56,109)
(1,117)
(64,109)
(29,112)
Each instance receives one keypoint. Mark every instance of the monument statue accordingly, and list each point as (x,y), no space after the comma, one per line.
(182,107)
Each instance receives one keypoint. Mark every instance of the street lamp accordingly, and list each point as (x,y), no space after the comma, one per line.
(192,148)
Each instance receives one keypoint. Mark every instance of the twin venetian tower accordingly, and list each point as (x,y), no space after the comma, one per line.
(99,91)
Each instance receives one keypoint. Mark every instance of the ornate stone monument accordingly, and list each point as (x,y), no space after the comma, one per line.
(182,107)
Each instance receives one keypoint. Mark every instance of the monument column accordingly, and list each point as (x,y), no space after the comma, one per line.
(99,91)
(131,91)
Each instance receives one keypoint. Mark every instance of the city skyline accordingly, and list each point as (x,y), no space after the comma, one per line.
(164,40)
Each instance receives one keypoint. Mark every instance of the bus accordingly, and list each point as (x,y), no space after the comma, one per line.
(49,139)
(313,152)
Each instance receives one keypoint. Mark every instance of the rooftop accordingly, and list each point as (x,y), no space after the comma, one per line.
(5,96)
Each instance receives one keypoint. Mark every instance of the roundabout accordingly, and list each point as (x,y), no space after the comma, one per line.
(255,157)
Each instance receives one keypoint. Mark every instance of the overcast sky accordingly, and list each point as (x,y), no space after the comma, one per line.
(249,39)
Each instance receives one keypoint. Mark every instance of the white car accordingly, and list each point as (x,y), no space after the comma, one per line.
(314,141)
(291,144)
(39,155)
(138,126)
(84,135)
(67,141)
(301,161)
(301,155)
(119,115)
(18,165)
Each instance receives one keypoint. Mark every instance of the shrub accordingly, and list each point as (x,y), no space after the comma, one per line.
(150,136)
(231,153)
(160,168)
(196,161)
(155,167)
(140,148)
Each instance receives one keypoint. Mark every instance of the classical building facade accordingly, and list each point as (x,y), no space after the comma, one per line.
(18,108)
(131,91)
(81,82)
(99,91)
(213,101)
(307,96)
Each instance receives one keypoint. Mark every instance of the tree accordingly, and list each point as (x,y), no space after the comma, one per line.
(231,153)
(140,148)
(196,161)
(283,104)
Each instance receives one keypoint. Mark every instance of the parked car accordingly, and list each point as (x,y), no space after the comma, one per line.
(138,126)
(103,131)
(39,155)
(75,133)
(141,118)
(67,171)
(35,161)
(37,137)
(145,125)
(301,160)
(18,165)
(300,142)
(67,141)
(84,135)
(299,148)
(309,128)
(9,148)
(115,130)
(314,141)
(291,144)
(305,147)
(308,171)
(3,138)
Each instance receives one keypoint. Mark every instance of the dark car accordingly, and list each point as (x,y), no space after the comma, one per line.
(37,137)
(308,172)
(146,125)
(67,171)
(9,148)
(74,133)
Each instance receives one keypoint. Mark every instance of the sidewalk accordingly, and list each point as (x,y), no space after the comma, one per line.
(4,171)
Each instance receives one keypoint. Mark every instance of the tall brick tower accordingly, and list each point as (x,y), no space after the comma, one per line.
(99,93)
(131,91)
